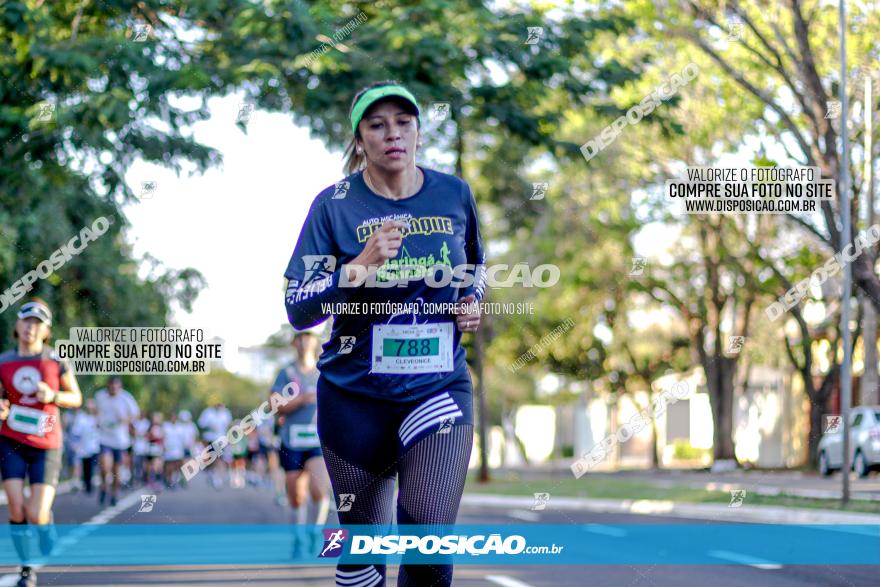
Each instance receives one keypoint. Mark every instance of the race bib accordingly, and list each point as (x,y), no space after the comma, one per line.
(304,436)
(411,348)
(28,420)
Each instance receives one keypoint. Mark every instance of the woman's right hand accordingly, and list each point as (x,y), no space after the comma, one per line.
(381,246)
(4,409)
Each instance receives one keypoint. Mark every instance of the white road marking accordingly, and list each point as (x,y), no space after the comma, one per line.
(863,530)
(99,519)
(606,530)
(525,516)
(745,559)
(506,581)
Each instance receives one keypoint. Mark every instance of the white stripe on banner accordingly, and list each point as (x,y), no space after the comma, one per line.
(506,581)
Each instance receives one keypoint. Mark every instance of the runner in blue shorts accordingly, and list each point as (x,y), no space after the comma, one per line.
(300,451)
(34,386)
(394,393)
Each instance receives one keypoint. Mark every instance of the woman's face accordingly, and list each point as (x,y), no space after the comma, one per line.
(389,135)
(31,330)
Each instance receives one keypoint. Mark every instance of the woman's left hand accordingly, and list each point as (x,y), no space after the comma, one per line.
(45,394)
(468,314)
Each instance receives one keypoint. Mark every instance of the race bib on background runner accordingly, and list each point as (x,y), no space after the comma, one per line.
(405,349)
(304,436)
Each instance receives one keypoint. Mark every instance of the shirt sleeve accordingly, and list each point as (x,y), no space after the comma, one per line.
(134,410)
(280,381)
(473,244)
(312,274)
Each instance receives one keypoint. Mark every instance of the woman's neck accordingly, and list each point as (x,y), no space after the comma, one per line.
(307,363)
(394,186)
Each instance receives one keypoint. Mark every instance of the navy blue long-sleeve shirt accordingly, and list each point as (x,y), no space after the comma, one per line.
(442,228)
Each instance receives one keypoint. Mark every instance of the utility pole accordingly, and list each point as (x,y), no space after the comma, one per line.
(846,237)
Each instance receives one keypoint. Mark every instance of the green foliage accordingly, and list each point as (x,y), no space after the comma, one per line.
(684,451)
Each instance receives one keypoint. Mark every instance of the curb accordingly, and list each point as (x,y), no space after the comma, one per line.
(772,490)
(757,486)
(714,512)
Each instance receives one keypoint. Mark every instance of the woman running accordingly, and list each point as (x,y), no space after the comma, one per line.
(174,446)
(155,451)
(36,384)
(394,394)
(300,454)
(88,444)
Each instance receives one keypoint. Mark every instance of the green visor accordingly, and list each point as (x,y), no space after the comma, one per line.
(371,96)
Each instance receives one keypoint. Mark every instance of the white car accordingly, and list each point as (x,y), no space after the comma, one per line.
(864,443)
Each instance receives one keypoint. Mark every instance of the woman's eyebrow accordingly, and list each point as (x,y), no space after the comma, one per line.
(381,117)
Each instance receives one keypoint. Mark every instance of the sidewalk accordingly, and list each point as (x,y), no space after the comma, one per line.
(790,483)
(703,511)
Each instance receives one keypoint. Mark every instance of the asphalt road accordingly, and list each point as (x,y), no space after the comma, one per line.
(200,504)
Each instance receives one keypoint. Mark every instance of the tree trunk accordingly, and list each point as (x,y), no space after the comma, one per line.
(870,379)
(655,442)
(720,373)
(868,393)
(482,428)
(818,408)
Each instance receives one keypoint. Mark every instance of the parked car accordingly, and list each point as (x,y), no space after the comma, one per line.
(864,443)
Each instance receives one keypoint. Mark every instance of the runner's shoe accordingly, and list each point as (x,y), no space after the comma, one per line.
(27,578)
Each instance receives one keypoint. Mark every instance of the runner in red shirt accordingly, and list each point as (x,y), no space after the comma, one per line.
(34,384)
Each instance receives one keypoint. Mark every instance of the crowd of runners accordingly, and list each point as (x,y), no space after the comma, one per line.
(110,444)
(104,443)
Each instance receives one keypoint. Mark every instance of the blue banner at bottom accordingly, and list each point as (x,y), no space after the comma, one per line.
(480,544)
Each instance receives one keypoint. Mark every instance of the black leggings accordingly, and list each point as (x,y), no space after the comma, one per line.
(367,442)
(89,464)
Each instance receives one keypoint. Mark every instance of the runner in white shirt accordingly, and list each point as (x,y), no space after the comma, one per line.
(117,410)
(214,422)
(191,444)
(88,444)
(175,445)
(141,450)
(191,433)
(156,450)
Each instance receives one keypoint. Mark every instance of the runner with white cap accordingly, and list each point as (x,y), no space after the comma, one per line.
(308,486)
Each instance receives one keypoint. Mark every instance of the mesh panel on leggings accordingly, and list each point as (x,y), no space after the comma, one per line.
(372,493)
(432,474)
(371,505)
